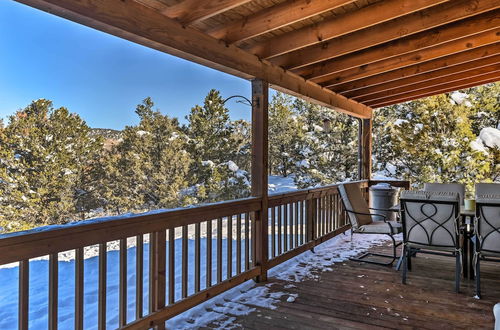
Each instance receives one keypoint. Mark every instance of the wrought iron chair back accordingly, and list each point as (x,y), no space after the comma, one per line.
(431,225)
(430,222)
(487,232)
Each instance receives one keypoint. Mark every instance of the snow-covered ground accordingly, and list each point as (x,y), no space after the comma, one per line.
(279,184)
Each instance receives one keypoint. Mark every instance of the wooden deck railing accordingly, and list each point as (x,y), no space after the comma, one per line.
(163,254)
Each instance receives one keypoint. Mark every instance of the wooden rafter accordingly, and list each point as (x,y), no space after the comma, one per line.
(338,26)
(418,69)
(374,92)
(419,41)
(273,18)
(191,11)
(385,32)
(444,88)
(426,84)
(393,63)
(144,25)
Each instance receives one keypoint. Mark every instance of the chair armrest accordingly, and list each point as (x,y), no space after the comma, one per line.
(370,214)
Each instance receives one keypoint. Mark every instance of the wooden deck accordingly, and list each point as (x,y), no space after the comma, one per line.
(362,296)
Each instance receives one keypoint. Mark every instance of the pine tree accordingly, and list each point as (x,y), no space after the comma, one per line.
(329,146)
(48,153)
(285,133)
(149,168)
(214,145)
(430,142)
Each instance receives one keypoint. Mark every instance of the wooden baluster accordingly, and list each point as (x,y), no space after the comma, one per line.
(101,308)
(280,243)
(153,269)
(171,266)
(238,244)
(161,259)
(53,290)
(301,203)
(273,232)
(209,254)
(139,276)
(79,289)
(185,254)
(247,241)
(229,246)
(24,282)
(285,225)
(290,227)
(296,222)
(219,250)
(122,314)
(197,257)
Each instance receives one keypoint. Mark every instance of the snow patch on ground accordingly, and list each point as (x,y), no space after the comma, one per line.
(280,184)
(490,137)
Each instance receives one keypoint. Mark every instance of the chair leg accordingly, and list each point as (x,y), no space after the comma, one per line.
(478,278)
(392,256)
(410,254)
(405,264)
(458,272)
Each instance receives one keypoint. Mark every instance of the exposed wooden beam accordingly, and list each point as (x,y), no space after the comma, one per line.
(457,77)
(273,18)
(441,63)
(393,63)
(444,88)
(144,25)
(338,26)
(422,40)
(385,32)
(191,11)
(365,94)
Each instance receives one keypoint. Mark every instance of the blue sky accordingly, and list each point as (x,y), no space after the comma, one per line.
(98,76)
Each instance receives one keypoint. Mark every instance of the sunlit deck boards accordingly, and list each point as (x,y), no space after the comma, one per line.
(363,296)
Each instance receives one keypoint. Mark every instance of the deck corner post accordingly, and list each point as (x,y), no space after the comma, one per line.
(260,100)
(365,143)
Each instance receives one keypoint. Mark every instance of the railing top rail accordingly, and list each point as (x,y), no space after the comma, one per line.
(53,239)
(311,191)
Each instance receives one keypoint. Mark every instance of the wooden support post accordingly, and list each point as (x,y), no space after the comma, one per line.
(260,95)
(366,149)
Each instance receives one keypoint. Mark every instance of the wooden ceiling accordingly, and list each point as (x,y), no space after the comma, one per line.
(352,55)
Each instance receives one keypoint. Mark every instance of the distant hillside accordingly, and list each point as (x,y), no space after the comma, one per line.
(112,137)
(107,133)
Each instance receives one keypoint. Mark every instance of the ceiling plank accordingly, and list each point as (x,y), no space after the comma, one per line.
(445,88)
(273,18)
(441,63)
(338,26)
(365,94)
(428,83)
(422,40)
(393,63)
(385,32)
(192,11)
(144,25)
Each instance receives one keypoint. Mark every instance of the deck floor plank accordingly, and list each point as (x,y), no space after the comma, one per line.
(356,295)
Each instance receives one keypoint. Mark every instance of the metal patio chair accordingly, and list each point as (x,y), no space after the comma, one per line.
(431,225)
(361,220)
(447,187)
(486,231)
